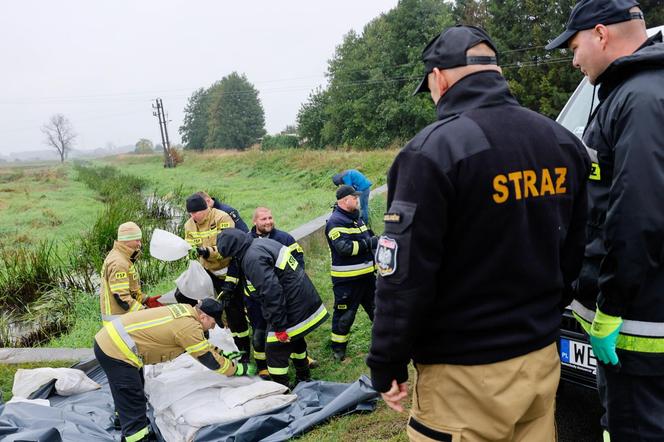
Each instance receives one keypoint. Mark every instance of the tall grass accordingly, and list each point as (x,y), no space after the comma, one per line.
(41,287)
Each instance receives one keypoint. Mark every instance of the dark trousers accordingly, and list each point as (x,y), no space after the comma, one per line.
(348,296)
(259,328)
(278,355)
(634,405)
(126,384)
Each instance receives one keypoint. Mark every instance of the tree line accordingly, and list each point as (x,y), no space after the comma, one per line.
(368,100)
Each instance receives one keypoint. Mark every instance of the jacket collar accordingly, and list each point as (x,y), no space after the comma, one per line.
(480,89)
(125,251)
(255,234)
(649,55)
(352,215)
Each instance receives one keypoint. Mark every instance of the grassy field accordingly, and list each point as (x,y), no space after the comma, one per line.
(295,184)
(44,203)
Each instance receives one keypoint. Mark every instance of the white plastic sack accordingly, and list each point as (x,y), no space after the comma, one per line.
(165,246)
(195,283)
(206,398)
(69,381)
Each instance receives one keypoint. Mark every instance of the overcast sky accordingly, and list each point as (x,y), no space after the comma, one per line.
(102,64)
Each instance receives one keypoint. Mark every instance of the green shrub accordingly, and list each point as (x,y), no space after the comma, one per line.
(281,141)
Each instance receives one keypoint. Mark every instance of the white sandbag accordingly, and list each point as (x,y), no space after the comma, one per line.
(186,395)
(69,381)
(73,381)
(166,246)
(257,390)
(195,283)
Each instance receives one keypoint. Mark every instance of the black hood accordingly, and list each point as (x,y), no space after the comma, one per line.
(649,56)
(233,243)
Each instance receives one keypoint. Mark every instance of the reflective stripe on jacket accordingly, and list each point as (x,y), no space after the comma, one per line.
(119,276)
(346,236)
(204,234)
(158,335)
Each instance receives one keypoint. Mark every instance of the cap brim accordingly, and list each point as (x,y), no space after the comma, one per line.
(423,86)
(561,41)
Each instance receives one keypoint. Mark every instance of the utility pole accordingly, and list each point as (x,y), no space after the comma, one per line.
(159,113)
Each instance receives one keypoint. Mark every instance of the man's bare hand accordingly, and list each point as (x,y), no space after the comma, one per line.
(396,395)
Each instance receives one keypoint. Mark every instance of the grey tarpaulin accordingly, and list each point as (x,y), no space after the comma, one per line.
(87,416)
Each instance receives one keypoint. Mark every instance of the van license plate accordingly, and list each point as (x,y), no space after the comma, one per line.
(577,355)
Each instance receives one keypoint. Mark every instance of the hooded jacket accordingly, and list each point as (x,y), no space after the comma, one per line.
(623,267)
(288,298)
(120,283)
(484,234)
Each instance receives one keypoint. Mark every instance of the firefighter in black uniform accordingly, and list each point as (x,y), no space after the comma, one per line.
(484,235)
(353,271)
(214,203)
(291,305)
(264,228)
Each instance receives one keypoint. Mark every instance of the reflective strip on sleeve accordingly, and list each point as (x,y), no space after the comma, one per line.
(638,336)
(282,259)
(231,279)
(295,247)
(242,334)
(258,355)
(123,342)
(298,355)
(316,318)
(136,306)
(339,338)
(356,248)
(352,270)
(224,367)
(203,345)
(335,231)
(148,324)
(119,286)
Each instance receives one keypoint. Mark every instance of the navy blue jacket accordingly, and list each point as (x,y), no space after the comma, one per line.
(239,223)
(349,240)
(286,239)
(623,268)
(484,233)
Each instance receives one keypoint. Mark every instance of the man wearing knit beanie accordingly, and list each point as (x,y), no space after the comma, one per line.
(121,284)
(201,232)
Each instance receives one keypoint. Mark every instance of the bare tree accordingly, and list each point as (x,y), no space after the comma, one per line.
(59,134)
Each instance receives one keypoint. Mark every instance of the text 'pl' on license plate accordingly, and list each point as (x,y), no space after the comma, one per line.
(578,355)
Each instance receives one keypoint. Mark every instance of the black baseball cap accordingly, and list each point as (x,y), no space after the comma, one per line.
(345,190)
(588,13)
(448,50)
(212,308)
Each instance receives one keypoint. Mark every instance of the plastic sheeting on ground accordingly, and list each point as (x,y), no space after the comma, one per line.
(88,416)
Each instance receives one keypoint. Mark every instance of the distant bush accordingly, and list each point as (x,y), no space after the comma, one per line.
(281,141)
(176,154)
